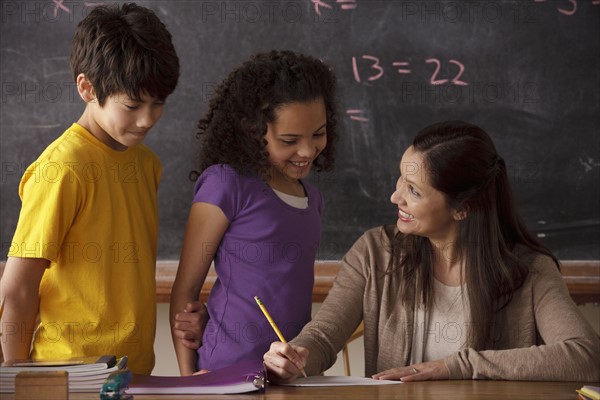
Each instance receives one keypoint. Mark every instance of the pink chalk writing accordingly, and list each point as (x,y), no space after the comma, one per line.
(573,9)
(59,4)
(353,115)
(345,5)
(438,65)
(376,70)
(455,80)
(568,7)
(402,64)
(320,3)
(374,65)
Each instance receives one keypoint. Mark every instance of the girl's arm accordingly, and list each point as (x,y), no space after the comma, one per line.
(19,288)
(205,228)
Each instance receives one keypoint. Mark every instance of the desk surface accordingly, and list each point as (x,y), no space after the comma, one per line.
(447,390)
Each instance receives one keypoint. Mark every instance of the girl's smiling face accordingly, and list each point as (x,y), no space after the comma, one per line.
(422,209)
(294,140)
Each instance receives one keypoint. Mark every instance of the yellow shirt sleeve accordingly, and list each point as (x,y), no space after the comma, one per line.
(51,196)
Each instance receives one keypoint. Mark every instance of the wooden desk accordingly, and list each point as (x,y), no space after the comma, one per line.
(447,390)
(582,279)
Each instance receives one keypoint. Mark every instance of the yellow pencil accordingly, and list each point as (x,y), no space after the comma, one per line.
(273,325)
(1,311)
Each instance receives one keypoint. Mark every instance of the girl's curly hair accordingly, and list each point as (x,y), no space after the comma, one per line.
(234,127)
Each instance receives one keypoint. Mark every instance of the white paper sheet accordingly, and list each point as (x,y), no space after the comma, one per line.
(321,381)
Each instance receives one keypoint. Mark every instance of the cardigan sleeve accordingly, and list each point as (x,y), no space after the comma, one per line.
(569,347)
(340,313)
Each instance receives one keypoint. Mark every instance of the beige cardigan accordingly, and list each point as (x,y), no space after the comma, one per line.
(543,336)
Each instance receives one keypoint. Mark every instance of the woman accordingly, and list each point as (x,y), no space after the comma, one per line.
(458,289)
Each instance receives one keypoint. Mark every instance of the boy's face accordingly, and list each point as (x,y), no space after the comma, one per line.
(124,122)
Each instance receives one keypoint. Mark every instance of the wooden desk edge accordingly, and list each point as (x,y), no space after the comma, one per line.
(581,276)
(455,389)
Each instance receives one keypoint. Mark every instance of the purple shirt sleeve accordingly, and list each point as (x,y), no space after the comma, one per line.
(216,186)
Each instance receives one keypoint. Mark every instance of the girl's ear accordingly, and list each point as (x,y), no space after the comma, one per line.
(85,89)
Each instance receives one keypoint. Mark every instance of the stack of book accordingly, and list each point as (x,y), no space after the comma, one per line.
(84,374)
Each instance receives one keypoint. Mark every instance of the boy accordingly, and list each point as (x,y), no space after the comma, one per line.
(84,252)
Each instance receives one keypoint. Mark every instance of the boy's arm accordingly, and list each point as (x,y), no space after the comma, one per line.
(205,229)
(19,288)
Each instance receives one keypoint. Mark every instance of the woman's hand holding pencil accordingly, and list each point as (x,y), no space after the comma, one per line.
(282,355)
(285,361)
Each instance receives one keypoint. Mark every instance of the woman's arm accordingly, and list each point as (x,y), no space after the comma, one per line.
(340,313)
(205,228)
(570,350)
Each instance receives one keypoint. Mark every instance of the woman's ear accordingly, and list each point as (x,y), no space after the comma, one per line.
(85,89)
(461,213)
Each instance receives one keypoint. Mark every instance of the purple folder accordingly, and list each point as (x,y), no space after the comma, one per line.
(242,377)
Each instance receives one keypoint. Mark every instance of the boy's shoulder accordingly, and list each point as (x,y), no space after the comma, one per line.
(64,147)
(76,143)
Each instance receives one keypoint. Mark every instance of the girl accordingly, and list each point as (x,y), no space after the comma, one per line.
(270,121)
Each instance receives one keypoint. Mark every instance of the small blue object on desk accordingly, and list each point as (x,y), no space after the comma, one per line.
(115,385)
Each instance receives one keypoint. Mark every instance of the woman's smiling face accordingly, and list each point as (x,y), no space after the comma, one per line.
(422,209)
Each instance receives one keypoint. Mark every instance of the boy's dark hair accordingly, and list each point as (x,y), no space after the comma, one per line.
(125,49)
(234,127)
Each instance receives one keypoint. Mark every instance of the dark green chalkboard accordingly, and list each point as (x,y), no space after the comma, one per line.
(526,71)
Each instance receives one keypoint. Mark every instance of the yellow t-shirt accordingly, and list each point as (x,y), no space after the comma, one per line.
(92,211)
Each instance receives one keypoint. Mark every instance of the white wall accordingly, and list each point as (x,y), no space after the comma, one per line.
(166,362)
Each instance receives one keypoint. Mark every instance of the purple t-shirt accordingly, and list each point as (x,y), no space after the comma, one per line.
(268,251)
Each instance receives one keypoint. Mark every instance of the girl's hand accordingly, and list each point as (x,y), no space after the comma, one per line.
(201,372)
(189,324)
(429,371)
(285,362)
